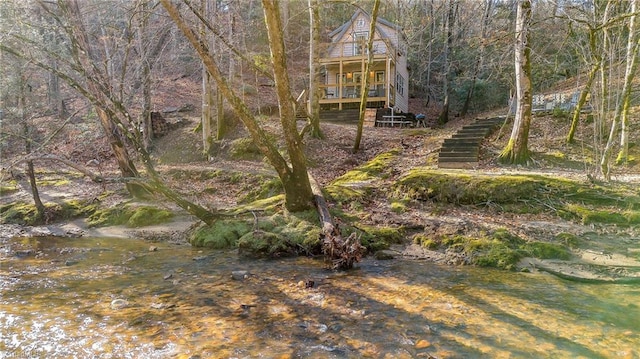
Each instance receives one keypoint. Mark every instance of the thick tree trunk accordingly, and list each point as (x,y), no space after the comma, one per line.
(295,180)
(125,164)
(296,184)
(516,151)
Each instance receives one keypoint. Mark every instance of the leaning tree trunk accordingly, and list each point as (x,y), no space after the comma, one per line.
(582,100)
(364,90)
(40,209)
(632,52)
(622,107)
(516,150)
(298,195)
(85,56)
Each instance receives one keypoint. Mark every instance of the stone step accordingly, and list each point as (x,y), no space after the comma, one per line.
(457,159)
(465,151)
(458,153)
(479,126)
(474,129)
(458,165)
(468,136)
(471,141)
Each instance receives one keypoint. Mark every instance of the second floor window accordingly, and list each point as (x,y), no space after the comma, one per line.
(360,41)
(400,85)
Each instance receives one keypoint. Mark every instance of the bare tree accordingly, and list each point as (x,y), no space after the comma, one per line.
(314,69)
(292,173)
(443,117)
(516,150)
(622,107)
(364,90)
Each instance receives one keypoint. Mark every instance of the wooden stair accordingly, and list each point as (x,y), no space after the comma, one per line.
(463,148)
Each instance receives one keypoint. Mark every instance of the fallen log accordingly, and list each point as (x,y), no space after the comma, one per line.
(78,167)
(343,253)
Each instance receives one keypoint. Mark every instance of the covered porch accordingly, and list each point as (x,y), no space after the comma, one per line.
(344,73)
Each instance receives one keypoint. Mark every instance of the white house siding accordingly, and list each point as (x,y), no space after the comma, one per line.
(402,99)
(342,46)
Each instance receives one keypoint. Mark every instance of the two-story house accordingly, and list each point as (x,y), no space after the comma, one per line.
(343,66)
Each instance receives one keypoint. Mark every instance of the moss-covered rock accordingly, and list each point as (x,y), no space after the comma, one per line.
(244,149)
(131,216)
(587,202)
(376,238)
(498,248)
(18,213)
(264,244)
(222,234)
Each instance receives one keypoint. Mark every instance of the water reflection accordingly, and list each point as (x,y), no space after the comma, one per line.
(114,298)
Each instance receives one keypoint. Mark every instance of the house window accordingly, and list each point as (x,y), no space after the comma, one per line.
(400,84)
(360,41)
(360,23)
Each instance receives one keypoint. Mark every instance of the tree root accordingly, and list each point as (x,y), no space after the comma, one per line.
(342,253)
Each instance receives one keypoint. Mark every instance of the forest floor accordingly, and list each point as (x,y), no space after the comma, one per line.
(614,258)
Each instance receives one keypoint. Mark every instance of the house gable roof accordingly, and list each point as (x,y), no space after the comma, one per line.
(340,31)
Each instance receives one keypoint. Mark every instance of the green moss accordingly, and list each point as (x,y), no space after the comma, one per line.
(9,188)
(498,255)
(607,203)
(107,217)
(128,215)
(270,205)
(357,184)
(25,213)
(147,216)
(262,188)
(18,213)
(377,238)
(264,244)
(425,241)
(276,235)
(545,250)
(398,207)
(499,249)
(568,239)
(244,149)
(54,182)
(222,234)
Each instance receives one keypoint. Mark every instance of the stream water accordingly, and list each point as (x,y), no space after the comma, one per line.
(122,298)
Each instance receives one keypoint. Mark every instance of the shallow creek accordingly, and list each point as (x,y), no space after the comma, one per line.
(123,298)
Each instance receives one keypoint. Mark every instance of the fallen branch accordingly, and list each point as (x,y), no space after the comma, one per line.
(343,253)
(78,167)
